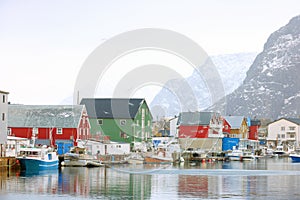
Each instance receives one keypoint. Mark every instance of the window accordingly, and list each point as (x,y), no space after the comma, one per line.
(122,122)
(278,135)
(3,98)
(8,131)
(292,136)
(292,128)
(3,116)
(100,121)
(282,128)
(123,135)
(282,136)
(35,131)
(59,131)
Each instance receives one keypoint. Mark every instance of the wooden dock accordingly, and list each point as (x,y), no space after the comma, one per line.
(7,163)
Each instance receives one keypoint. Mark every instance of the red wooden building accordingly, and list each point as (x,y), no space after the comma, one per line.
(200,125)
(253,129)
(49,125)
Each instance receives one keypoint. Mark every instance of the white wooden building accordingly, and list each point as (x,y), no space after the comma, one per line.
(284,131)
(3,121)
(111,148)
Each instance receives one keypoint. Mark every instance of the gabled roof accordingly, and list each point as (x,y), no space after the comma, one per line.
(195,118)
(3,92)
(44,116)
(235,122)
(112,108)
(294,120)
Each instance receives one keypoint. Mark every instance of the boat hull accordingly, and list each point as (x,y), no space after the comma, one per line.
(37,164)
(74,163)
(295,158)
(158,160)
(234,158)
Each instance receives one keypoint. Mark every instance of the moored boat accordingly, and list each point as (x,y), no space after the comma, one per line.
(165,153)
(77,157)
(135,158)
(295,155)
(34,159)
(280,152)
(235,155)
(247,156)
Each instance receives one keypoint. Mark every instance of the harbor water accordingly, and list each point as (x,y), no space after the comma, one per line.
(271,178)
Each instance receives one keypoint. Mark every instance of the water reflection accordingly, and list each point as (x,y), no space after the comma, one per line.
(265,178)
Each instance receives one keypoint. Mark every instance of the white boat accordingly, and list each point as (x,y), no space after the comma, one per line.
(235,155)
(279,151)
(77,157)
(165,153)
(34,159)
(135,158)
(247,156)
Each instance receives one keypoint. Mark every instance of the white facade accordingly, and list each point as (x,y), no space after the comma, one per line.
(3,121)
(284,131)
(173,127)
(113,148)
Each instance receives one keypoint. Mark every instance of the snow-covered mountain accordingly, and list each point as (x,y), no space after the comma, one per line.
(272,86)
(193,90)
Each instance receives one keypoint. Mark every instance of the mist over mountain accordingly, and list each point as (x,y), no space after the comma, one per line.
(232,69)
(271,88)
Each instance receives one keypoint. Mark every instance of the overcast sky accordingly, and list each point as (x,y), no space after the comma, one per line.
(44,43)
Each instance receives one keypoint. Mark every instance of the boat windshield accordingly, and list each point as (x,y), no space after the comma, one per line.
(29,153)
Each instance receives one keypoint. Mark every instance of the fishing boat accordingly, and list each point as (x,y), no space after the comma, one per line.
(78,157)
(165,153)
(135,158)
(34,159)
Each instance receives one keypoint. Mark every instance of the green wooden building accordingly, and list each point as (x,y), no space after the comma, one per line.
(119,120)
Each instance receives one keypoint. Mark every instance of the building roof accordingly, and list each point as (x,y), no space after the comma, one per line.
(112,108)
(44,116)
(294,120)
(195,118)
(255,122)
(235,122)
(2,92)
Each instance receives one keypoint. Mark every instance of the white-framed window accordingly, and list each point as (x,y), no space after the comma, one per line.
(59,131)
(8,131)
(292,128)
(100,121)
(282,135)
(35,130)
(3,116)
(282,128)
(122,122)
(3,98)
(278,135)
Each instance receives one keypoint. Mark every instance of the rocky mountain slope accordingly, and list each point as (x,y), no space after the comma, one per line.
(272,86)
(232,69)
